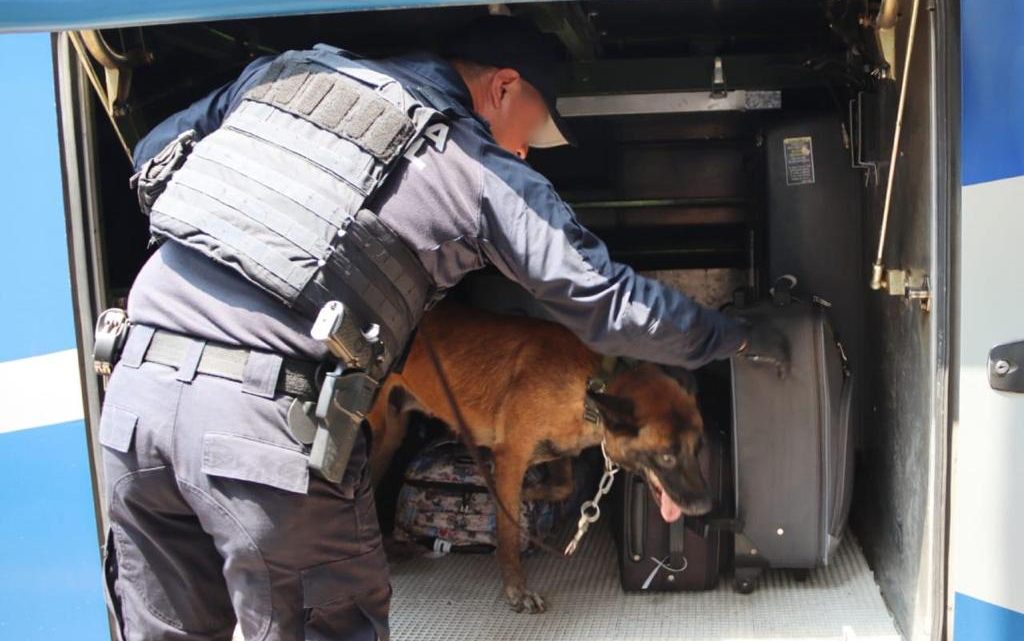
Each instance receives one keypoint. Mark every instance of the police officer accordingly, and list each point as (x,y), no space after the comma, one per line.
(325,193)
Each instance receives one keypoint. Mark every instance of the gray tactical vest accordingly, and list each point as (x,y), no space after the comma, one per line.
(281,192)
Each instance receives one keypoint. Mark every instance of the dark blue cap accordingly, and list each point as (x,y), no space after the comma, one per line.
(516,43)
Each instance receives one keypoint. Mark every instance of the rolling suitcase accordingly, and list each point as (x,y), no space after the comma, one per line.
(685,555)
(792,444)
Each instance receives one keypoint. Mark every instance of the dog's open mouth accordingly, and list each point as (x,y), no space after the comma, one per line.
(670,510)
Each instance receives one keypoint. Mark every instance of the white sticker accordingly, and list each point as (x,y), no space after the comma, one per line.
(799,154)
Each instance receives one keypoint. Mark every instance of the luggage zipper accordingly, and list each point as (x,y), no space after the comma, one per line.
(824,438)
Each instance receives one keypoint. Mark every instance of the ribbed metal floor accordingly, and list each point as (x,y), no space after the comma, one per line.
(457,598)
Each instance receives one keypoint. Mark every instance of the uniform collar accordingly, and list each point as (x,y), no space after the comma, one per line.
(439,75)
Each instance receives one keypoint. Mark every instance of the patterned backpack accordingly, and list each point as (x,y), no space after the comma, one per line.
(444,502)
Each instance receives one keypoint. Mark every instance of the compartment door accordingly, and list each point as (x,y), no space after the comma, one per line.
(987,529)
(49,545)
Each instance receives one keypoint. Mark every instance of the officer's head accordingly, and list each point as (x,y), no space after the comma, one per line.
(511,70)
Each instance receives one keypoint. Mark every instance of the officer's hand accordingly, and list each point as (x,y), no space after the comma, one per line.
(765,345)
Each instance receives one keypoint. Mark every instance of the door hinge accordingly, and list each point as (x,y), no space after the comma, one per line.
(900,282)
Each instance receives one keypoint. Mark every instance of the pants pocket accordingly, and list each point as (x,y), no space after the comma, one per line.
(249,459)
(117,426)
(110,572)
(348,600)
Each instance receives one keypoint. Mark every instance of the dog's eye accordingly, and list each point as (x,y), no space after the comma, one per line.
(667,460)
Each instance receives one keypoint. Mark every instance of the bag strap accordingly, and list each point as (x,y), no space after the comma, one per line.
(677,543)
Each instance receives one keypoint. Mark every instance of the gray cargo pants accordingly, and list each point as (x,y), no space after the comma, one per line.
(215,516)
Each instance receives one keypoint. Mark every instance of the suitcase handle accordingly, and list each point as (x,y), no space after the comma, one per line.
(636,507)
(782,290)
(718,522)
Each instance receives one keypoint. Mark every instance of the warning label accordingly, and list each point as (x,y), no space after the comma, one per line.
(799,160)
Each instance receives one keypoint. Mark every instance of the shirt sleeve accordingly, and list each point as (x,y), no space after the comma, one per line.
(532,236)
(204,115)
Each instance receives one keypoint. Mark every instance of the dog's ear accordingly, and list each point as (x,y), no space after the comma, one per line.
(684,377)
(617,413)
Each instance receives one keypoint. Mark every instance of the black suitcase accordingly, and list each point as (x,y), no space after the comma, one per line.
(792,444)
(685,555)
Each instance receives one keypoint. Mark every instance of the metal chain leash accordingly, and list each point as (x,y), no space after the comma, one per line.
(590,511)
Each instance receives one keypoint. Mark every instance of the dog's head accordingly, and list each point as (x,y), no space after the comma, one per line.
(653,426)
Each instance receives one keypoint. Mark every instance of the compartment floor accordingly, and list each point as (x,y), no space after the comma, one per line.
(458,597)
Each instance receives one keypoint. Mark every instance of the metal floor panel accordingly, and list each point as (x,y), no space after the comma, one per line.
(457,598)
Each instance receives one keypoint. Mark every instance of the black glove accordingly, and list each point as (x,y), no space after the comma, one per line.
(765,345)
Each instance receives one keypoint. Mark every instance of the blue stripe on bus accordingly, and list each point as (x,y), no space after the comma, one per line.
(977,620)
(49,555)
(35,289)
(993,89)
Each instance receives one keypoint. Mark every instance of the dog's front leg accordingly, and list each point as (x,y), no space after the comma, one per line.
(389,421)
(509,468)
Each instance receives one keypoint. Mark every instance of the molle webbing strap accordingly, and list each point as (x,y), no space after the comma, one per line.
(337,103)
(379,278)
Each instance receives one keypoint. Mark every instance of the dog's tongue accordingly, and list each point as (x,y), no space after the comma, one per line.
(670,510)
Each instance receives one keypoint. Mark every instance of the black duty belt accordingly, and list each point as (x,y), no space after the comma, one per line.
(296,378)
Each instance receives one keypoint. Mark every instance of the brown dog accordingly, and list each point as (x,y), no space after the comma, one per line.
(520,385)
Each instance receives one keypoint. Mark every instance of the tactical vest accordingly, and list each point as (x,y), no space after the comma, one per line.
(281,192)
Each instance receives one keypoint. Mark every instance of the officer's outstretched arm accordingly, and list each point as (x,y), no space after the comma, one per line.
(203,115)
(533,237)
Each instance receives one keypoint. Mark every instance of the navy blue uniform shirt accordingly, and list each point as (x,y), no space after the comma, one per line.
(460,207)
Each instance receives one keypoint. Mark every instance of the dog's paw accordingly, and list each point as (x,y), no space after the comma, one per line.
(401,551)
(523,600)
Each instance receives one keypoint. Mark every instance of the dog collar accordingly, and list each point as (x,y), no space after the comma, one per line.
(598,382)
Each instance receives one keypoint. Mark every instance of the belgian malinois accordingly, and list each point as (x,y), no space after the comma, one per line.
(520,384)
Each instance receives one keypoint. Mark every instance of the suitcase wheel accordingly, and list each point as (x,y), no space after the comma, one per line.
(744,585)
(744,582)
(744,579)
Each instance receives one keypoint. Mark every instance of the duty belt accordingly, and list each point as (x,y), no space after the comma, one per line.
(297,377)
(325,415)
(330,402)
